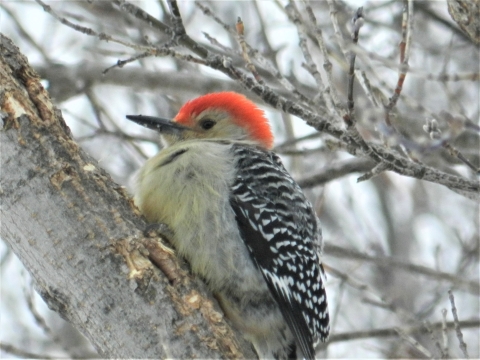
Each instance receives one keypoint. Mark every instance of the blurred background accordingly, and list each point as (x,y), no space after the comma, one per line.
(394,245)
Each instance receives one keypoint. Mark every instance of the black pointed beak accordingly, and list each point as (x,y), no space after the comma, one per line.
(163,126)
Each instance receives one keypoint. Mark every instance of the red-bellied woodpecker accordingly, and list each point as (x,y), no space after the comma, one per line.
(240,220)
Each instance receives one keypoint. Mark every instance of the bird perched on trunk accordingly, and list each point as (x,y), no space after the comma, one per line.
(240,220)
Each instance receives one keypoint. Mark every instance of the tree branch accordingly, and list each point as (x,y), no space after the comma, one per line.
(385,332)
(77,233)
(338,251)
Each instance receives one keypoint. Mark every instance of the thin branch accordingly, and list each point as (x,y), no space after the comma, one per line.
(338,251)
(458,330)
(323,91)
(405,44)
(369,56)
(431,127)
(435,338)
(291,142)
(39,320)
(142,15)
(336,171)
(330,91)
(241,40)
(412,341)
(207,12)
(357,23)
(88,31)
(119,135)
(377,170)
(304,152)
(444,77)
(311,67)
(25,35)
(457,153)
(387,332)
(379,300)
(266,64)
(121,63)
(10,349)
(179,32)
(216,43)
(97,108)
(444,348)
(336,28)
(383,302)
(154,23)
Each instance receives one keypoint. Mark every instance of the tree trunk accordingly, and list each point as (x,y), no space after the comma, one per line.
(79,235)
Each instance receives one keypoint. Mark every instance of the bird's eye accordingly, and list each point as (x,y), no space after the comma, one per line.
(207,124)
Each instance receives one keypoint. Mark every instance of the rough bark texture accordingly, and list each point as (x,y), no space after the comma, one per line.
(466,14)
(77,233)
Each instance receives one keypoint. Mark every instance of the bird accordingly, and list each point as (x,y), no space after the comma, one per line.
(240,220)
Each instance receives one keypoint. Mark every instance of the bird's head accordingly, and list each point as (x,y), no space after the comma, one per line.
(223,115)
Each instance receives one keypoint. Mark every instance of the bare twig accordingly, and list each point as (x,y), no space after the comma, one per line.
(383,302)
(178,27)
(458,330)
(405,44)
(444,77)
(25,34)
(414,343)
(39,320)
(369,56)
(387,332)
(10,349)
(143,16)
(156,24)
(291,142)
(207,12)
(216,43)
(336,171)
(303,152)
(377,170)
(357,23)
(122,63)
(89,31)
(336,28)
(431,127)
(119,135)
(241,40)
(435,339)
(379,300)
(455,152)
(310,65)
(331,95)
(266,64)
(97,108)
(444,348)
(460,282)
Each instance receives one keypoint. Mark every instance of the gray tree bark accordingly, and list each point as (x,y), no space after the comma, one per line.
(79,235)
(466,13)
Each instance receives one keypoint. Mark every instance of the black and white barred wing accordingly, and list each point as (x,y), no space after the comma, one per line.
(280,229)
